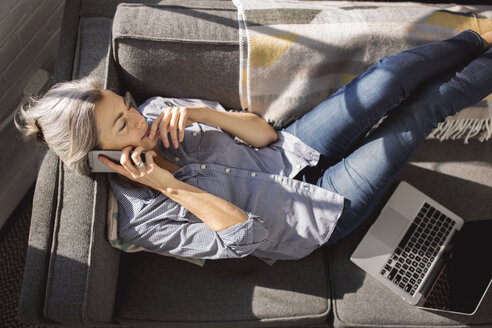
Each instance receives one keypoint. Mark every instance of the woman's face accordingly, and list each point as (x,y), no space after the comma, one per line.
(119,125)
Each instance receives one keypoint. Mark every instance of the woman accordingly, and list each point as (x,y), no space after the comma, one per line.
(272,194)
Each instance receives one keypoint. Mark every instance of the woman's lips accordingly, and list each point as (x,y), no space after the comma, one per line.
(146,132)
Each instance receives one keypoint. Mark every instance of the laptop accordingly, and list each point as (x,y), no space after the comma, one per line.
(427,254)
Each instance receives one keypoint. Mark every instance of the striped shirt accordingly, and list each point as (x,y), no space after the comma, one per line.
(287,218)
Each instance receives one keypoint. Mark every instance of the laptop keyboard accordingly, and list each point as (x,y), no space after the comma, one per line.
(415,253)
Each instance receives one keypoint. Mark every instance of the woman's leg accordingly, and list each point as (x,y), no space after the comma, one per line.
(366,173)
(336,124)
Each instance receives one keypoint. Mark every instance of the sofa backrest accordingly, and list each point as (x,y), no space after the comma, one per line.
(189,50)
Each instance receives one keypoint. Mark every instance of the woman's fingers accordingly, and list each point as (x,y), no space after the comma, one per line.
(183,118)
(137,159)
(174,119)
(126,163)
(113,166)
(155,125)
(149,160)
(163,127)
(127,168)
(173,126)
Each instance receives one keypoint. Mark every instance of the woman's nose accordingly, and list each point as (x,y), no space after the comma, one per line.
(137,118)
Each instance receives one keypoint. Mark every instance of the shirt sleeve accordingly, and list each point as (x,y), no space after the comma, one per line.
(152,107)
(197,240)
(154,222)
(243,238)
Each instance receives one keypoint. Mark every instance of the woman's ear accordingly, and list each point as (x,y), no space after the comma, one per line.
(129,98)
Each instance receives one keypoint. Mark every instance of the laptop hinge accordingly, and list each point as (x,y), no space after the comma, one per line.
(431,280)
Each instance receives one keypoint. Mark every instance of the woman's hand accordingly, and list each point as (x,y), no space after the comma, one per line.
(147,173)
(173,119)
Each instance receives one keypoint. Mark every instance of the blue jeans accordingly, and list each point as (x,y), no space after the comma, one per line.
(417,88)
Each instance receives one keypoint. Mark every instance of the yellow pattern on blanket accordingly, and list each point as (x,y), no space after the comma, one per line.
(460,22)
(296,54)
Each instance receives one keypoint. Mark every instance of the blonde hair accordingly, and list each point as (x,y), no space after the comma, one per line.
(64,119)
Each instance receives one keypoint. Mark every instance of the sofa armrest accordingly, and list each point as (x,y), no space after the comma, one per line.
(68,41)
(45,202)
(83,267)
(71,269)
(31,303)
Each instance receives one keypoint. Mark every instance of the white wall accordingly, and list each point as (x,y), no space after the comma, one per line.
(29,34)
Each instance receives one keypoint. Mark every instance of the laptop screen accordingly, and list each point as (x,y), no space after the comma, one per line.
(467,273)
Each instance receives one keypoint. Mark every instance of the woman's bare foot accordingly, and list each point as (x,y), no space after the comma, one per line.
(487,38)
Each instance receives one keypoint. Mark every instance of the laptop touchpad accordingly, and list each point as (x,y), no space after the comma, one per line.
(389,226)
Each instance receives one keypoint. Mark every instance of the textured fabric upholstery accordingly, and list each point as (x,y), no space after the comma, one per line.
(107,8)
(45,201)
(92,47)
(71,262)
(178,52)
(224,293)
(68,41)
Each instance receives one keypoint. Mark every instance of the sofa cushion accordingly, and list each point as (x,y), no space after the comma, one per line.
(224,293)
(178,51)
(94,37)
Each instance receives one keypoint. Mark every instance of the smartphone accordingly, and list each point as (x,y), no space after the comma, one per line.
(99,167)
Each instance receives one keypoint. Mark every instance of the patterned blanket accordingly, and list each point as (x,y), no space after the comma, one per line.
(294,54)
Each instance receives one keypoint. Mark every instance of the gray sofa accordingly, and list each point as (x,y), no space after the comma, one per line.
(74,277)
